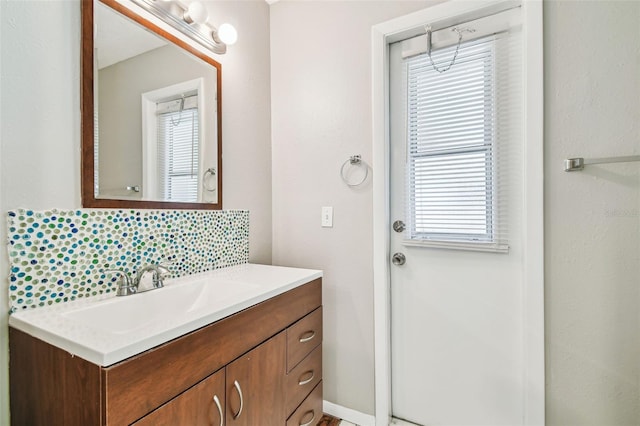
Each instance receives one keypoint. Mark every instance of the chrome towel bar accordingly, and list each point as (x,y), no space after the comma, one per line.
(575,164)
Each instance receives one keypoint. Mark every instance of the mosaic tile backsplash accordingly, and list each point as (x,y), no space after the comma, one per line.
(58,256)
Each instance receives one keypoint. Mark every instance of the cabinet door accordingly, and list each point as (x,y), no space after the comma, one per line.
(203,405)
(255,384)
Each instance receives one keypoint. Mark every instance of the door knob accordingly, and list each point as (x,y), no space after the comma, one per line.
(398,259)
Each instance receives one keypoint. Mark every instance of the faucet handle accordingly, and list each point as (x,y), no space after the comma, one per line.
(163,269)
(161,272)
(124,277)
(125,286)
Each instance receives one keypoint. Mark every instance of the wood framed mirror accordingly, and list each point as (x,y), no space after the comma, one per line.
(150,138)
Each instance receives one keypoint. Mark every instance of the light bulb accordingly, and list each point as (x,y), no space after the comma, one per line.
(196,12)
(227,34)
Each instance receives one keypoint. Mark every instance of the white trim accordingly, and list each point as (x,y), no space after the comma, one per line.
(533,297)
(380,160)
(202,132)
(398,422)
(458,245)
(484,26)
(344,413)
(533,291)
(149,149)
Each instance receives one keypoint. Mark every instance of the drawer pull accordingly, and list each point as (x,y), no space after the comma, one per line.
(313,417)
(304,382)
(237,386)
(217,401)
(309,337)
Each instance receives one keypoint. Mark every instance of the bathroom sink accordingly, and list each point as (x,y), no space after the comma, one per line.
(126,314)
(107,329)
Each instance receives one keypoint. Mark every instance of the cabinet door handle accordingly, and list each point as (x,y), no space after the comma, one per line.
(217,401)
(306,339)
(304,382)
(313,417)
(239,390)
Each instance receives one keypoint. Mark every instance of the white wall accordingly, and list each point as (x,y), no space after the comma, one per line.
(246,118)
(321,115)
(592,232)
(40,151)
(40,134)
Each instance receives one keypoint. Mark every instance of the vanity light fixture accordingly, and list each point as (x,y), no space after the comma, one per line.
(192,20)
(228,34)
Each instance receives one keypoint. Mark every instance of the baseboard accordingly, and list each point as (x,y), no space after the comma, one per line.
(348,414)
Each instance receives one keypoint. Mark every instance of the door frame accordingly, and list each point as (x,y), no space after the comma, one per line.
(533,374)
(150,133)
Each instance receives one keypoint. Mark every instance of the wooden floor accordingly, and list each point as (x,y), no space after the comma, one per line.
(328,421)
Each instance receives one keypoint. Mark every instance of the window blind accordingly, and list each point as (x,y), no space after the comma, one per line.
(178,146)
(457,133)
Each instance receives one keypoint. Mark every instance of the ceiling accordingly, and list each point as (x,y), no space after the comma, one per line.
(117,38)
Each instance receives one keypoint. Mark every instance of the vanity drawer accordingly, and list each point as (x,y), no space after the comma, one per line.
(310,411)
(303,337)
(303,378)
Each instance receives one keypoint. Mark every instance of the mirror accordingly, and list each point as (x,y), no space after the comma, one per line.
(151,115)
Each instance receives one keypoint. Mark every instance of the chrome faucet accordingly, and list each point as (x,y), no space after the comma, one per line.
(128,286)
(159,273)
(125,286)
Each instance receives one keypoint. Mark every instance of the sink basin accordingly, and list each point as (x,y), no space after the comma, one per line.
(130,313)
(107,329)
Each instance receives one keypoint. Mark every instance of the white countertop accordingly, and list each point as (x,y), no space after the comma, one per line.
(108,329)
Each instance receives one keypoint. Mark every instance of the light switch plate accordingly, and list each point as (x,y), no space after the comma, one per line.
(327,217)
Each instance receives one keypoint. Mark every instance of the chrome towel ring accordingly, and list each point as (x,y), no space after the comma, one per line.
(354,160)
(211,171)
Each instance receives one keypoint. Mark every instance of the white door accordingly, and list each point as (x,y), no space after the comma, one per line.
(456,315)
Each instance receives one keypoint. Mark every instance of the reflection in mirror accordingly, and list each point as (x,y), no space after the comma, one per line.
(155,117)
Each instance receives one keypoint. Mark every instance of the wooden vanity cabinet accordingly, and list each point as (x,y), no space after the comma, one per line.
(202,405)
(309,412)
(176,383)
(259,377)
(304,363)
